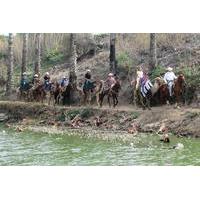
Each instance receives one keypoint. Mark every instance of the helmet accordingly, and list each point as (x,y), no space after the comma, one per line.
(64,77)
(88,71)
(24,74)
(35,76)
(47,73)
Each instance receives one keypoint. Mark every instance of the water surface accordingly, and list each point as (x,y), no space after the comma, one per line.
(44,149)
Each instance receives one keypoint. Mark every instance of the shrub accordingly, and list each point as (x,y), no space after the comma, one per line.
(53,56)
(72,113)
(157,71)
(86,113)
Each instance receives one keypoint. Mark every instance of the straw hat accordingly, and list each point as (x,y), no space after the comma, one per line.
(110,74)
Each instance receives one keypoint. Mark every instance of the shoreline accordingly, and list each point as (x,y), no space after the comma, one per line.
(124,122)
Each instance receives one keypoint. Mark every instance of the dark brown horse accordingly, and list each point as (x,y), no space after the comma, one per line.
(162,95)
(179,88)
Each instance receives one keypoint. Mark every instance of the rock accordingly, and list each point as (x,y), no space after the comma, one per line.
(19,129)
(3,117)
(178,146)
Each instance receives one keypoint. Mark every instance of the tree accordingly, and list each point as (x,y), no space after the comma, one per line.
(73,61)
(37,53)
(9,84)
(73,95)
(153,55)
(112,53)
(24,53)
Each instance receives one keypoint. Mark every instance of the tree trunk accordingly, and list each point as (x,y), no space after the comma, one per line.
(72,72)
(24,53)
(9,85)
(153,55)
(37,53)
(73,61)
(112,53)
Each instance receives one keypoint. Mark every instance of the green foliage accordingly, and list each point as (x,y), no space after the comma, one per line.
(124,64)
(134,115)
(53,56)
(124,60)
(72,113)
(61,117)
(157,71)
(86,113)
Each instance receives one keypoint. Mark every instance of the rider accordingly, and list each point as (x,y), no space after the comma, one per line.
(88,84)
(139,75)
(111,80)
(36,80)
(47,81)
(64,81)
(24,82)
(169,78)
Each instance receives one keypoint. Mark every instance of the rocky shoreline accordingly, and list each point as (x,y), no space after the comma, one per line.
(124,122)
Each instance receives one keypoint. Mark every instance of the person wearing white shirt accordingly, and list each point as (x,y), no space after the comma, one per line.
(169,78)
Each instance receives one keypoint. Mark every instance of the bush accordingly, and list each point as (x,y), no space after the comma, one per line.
(124,63)
(72,113)
(53,56)
(156,72)
(86,113)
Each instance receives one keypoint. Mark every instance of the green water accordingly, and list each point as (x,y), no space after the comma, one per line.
(43,149)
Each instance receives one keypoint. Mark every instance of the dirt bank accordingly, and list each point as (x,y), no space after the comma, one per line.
(123,120)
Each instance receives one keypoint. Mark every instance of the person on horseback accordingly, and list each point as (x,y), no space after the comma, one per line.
(88,84)
(169,78)
(24,84)
(47,84)
(111,81)
(64,82)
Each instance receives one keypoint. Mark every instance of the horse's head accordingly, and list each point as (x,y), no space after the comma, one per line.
(181,79)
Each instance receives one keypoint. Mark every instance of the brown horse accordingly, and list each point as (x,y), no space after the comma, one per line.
(179,88)
(111,93)
(162,94)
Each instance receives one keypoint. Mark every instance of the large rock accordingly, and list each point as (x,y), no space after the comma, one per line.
(3,117)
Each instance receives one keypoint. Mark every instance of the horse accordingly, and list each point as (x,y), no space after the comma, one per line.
(144,91)
(162,93)
(111,93)
(179,88)
(23,93)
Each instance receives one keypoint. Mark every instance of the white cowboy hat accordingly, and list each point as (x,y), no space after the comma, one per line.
(110,74)
(169,69)
(35,76)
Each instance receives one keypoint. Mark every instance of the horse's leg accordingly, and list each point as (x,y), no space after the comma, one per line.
(142,101)
(109,100)
(101,97)
(97,99)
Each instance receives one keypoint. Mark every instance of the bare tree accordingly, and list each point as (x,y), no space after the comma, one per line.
(153,54)
(9,84)
(24,53)
(37,53)
(73,61)
(112,53)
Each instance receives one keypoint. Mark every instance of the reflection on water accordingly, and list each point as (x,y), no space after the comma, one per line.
(44,149)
